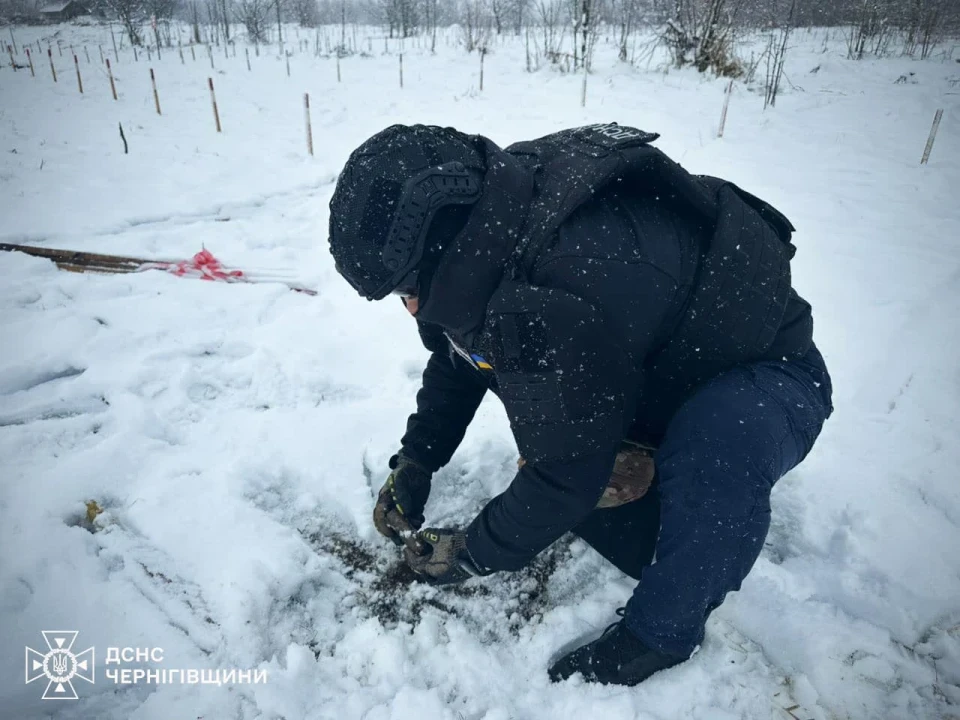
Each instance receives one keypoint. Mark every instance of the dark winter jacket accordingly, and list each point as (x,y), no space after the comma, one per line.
(596,330)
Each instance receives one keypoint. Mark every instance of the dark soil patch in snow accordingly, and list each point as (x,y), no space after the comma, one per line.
(390,591)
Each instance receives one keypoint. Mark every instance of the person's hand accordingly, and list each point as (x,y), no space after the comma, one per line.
(445,559)
(398,513)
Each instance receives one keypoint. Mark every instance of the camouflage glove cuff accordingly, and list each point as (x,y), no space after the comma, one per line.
(446,559)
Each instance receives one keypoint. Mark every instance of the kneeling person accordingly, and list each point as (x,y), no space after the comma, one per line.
(611,300)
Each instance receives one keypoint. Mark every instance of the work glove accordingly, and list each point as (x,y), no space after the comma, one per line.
(398,513)
(444,559)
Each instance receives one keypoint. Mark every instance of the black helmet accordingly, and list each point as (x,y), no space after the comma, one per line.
(386,198)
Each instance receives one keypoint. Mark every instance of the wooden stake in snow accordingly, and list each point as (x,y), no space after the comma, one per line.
(60,47)
(210,53)
(528,49)
(53,70)
(180,48)
(483,53)
(213,99)
(101,53)
(87,53)
(76,64)
(246,51)
(193,53)
(287,56)
(726,104)
(149,54)
(12,63)
(338,67)
(14,41)
(136,57)
(156,97)
(401,71)
(306,113)
(113,86)
(30,61)
(933,136)
(116,55)
(126,149)
(583,88)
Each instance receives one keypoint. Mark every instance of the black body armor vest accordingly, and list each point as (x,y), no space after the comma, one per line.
(571,385)
(743,285)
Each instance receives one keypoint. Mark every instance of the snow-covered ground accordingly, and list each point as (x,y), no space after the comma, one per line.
(234,435)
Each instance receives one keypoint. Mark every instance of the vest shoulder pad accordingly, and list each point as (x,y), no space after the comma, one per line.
(774,218)
(562,378)
(596,140)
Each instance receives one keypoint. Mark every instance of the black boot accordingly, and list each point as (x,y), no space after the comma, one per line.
(617,657)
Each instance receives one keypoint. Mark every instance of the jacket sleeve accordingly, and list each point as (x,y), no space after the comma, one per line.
(446,403)
(545,500)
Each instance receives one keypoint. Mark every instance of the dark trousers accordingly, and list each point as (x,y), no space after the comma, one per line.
(694,537)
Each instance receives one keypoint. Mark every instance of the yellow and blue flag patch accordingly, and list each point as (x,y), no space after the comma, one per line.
(480,362)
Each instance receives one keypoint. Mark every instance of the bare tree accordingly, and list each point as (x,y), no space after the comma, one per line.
(278,5)
(195,23)
(776,56)
(255,16)
(625,15)
(871,28)
(307,13)
(576,17)
(702,33)
(225,13)
(131,15)
(162,11)
(430,19)
(213,20)
(401,16)
(584,21)
(518,9)
(409,17)
(925,26)
(474,24)
(18,10)
(549,13)
(219,13)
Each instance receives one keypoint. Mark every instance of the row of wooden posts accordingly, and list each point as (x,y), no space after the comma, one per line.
(193,54)
(303,45)
(156,100)
(113,89)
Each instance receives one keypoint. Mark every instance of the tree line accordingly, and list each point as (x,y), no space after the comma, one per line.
(702,33)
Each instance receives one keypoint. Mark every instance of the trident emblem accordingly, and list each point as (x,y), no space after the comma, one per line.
(60,665)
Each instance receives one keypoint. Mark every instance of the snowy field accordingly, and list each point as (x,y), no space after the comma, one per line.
(235,435)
